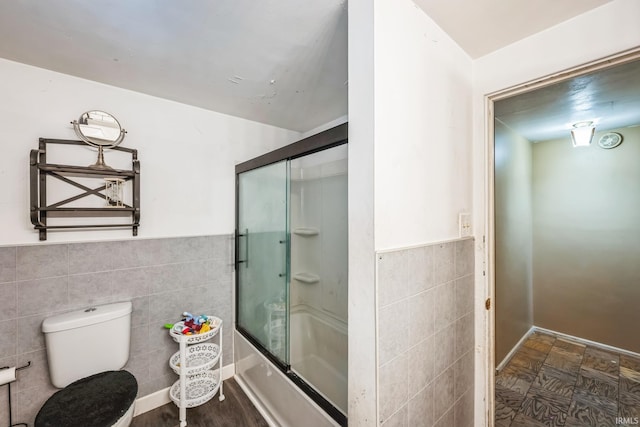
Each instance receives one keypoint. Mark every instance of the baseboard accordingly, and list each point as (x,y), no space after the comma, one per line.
(228,371)
(161,397)
(152,401)
(565,336)
(515,348)
(587,342)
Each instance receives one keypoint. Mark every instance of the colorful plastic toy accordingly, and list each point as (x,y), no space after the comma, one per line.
(193,324)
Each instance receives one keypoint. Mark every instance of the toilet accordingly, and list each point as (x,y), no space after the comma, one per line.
(86,350)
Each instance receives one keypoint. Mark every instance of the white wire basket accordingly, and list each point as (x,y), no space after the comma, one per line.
(200,388)
(177,335)
(200,357)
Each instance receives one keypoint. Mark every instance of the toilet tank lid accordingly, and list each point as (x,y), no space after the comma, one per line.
(85,317)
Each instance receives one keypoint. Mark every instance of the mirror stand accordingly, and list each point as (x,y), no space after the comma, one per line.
(101,130)
(100,164)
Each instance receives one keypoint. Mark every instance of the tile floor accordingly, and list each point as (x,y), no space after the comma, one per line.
(551,381)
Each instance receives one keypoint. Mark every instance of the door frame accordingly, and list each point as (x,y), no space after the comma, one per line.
(488,254)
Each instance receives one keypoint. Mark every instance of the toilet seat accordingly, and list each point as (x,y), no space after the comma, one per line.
(96,401)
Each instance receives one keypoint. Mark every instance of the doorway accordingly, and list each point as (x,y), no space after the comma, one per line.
(559,269)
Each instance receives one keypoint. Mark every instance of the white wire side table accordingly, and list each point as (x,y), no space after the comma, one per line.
(199,365)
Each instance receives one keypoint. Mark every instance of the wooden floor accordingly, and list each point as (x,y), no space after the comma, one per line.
(236,410)
(555,382)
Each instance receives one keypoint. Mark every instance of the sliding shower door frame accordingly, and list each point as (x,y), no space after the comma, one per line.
(319,142)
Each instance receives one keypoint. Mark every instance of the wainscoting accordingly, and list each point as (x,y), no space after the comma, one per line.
(425,335)
(162,277)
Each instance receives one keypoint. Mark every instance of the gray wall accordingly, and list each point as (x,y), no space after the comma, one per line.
(162,277)
(587,239)
(426,335)
(513,237)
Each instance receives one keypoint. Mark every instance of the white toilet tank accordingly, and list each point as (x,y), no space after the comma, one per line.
(85,342)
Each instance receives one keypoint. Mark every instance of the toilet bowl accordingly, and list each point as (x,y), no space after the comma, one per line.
(86,350)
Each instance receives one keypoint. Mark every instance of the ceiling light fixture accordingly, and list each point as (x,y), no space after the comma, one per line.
(582,133)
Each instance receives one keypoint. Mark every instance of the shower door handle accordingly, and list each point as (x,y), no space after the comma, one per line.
(246,248)
(282,242)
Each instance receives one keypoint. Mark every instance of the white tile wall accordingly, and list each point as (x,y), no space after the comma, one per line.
(425,335)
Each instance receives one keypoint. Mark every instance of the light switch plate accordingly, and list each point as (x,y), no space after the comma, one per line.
(464,224)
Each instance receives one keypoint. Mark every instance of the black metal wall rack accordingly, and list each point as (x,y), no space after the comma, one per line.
(41,210)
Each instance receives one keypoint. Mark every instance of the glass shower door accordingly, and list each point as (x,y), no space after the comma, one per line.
(263,297)
(319,270)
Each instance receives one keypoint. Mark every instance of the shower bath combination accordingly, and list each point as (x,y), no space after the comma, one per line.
(291,262)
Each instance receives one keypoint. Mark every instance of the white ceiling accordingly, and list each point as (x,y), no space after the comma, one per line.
(482,26)
(610,98)
(281,62)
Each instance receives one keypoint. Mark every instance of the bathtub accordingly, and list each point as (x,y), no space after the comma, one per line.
(318,347)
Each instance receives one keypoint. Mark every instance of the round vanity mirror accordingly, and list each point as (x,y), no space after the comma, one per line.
(101,130)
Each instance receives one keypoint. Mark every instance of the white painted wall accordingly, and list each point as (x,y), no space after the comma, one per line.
(362,370)
(331,124)
(575,42)
(187,154)
(409,143)
(422,134)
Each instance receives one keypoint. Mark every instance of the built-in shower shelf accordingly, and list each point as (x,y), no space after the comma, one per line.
(306,278)
(306,231)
